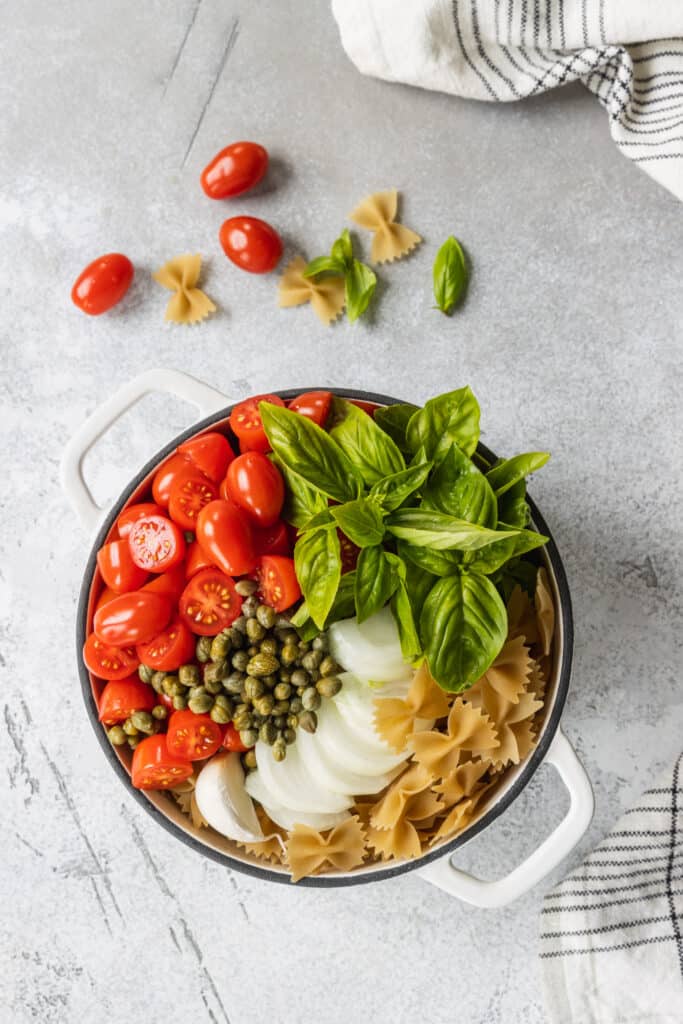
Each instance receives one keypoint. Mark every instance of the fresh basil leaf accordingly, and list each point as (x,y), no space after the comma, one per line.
(450,275)
(361,520)
(408,635)
(512,506)
(518,572)
(391,491)
(462,627)
(302,501)
(425,528)
(418,583)
(322,518)
(342,250)
(376,581)
(393,419)
(437,563)
(458,488)
(324,265)
(489,559)
(506,474)
(452,418)
(343,607)
(360,283)
(309,452)
(372,452)
(317,562)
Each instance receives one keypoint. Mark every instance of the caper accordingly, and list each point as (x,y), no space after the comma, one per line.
(249,760)
(282,691)
(242,721)
(248,737)
(299,677)
(236,638)
(286,635)
(224,702)
(300,690)
(311,660)
(239,625)
(235,683)
(264,705)
(145,673)
(314,675)
(220,645)
(320,642)
(215,672)
(158,681)
(266,616)
(168,684)
(118,737)
(189,675)
(268,646)
(310,699)
(268,733)
(133,741)
(281,707)
(203,648)
(279,721)
(269,681)
(240,660)
(255,630)
(279,749)
(214,686)
(160,712)
(292,721)
(289,654)
(200,705)
(257,720)
(328,666)
(129,728)
(249,607)
(253,687)
(262,665)
(289,736)
(284,675)
(304,647)
(245,588)
(220,715)
(180,703)
(143,721)
(241,708)
(328,686)
(253,649)
(295,705)
(308,721)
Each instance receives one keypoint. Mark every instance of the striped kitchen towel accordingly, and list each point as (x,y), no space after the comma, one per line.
(611,932)
(628,53)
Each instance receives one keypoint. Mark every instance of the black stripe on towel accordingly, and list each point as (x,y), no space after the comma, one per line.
(606,927)
(669,876)
(456,20)
(608,892)
(607,949)
(559,909)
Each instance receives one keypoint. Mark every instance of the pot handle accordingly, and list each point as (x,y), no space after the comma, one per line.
(482,893)
(206,398)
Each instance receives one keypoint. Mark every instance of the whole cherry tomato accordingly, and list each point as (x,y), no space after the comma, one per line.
(121,697)
(196,560)
(232,741)
(107,661)
(209,602)
(131,619)
(234,170)
(155,543)
(154,767)
(105,597)
(118,569)
(170,584)
(124,523)
(247,426)
(168,650)
(103,283)
(315,405)
(175,467)
(191,736)
(251,244)
(225,536)
(255,484)
(189,495)
(278,585)
(349,552)
(273,540)
(211,453)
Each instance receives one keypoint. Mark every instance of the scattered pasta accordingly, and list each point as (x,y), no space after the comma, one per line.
(326,295)
(391,240)
(189,304)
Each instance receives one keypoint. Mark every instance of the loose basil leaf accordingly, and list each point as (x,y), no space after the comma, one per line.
(449,419)
(372,452)
(393,419)
(361,520)
(393,490)
(324,265)
(343,607)
(437,563)
(317,562)
(342,250)
(489,559)
(302,501)
(360,284)
(426,528)
(457,487)
(462,627)
(376,581)
(506,474)
(450,275)
(512,506)
(311,453)
(411,647)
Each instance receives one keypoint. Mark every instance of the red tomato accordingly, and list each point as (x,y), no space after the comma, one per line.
(368,407)
(255,485)
(192,736)
(234,170)
(103,283)
(225,536)
(315,405)
(105,597)
(273,540)
(189,495)
(155,768)
(196,560)
(278,585)
(173,647)
(232,741)
(209,602)
(156,544)
(124,523)
(251,244)
(107,661)
(175,466)
(118,569)
(121,697)
(170,584)
(245,422)
(349,552)
(132,618)
(211,453)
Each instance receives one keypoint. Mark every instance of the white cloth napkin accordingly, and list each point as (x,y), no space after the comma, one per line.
(612,931)
(629,53)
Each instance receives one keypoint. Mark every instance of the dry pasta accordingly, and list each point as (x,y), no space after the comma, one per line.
(325,295)
(391,240)
(188,304)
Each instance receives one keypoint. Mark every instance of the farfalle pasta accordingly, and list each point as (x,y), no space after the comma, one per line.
(189,304)
(309,852)
(395,717)
(325,294)
(377,213)
(469,728)
(395,820)
(545,611)
(271,849)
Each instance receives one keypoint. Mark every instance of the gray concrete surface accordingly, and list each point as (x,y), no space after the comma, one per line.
(570,337)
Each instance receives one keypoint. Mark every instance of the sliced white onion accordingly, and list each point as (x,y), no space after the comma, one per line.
(372,649)
(285,817)
(336,775)
(289,783)
(344,746)
(223,800)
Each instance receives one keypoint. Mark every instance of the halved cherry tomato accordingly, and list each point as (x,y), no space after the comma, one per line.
(107,661)
(245,422)
(349,552)
(232,741)
(234,170)
(121,697)
(251,244)
(156,544)
(196,560)
(189,495)
(175,466)
(314,405)
(225,536)
(193,736)
(209,602)
(211,453)
(278,585)
(170,649)
(273,540)
(103,283)
(131,619)
(105,597)
(124,523)
(170,584)
(255,485)
(155,768)
(118,569)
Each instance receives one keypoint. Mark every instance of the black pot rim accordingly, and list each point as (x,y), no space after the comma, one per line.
(323,881)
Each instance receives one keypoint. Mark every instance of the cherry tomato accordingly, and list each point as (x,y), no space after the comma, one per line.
(170,584)
(349,552)
(124,523)
(273,540)
(132,618)
(255,485)
(225,536)
(314,405)
(251,244)
(107,661)
(105,597)
(121,697)
(368,407)
(245,422)
(118,569)
(192,736)
(156,544)
(232,741)
(278,585)
(196,560)
(170,649)
(103,283)
(211,453)
(234,170)
(189,495)
(209,602)
(175,466)
(155,768)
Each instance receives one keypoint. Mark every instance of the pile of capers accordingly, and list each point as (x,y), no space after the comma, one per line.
(138,725)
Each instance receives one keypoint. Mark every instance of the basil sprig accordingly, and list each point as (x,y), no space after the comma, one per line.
(359,280)
(450,275)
